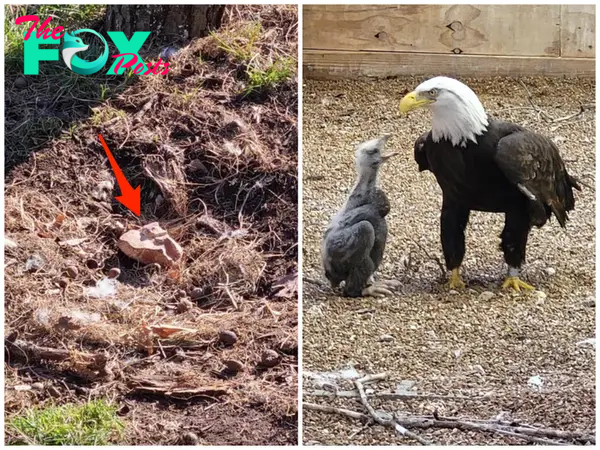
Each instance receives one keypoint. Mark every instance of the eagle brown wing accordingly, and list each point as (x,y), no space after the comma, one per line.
(533,164)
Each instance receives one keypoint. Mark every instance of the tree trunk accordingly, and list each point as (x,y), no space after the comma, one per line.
(166,23)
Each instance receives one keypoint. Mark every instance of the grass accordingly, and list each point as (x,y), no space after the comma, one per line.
(278,72)
(93,423)
(240,44)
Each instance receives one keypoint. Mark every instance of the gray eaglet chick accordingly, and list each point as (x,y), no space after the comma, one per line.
(354,242)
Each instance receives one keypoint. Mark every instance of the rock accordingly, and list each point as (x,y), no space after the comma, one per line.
(486,296)
(386,338)
(34,263)
(197,166)
(38,386)
(21,82)
(190,438)
(151,245)
(270,358)
(92,264)
(184,305)
(539,295)
(196,294)
(453,292)
(589,302)
(63,283)
(550,271)
(114,273)
(72,272)
(233,366)
(228,338)
(9,243)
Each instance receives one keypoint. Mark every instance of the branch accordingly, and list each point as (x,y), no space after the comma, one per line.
(377,417)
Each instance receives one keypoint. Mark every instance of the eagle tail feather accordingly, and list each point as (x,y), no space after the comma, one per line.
(559,212)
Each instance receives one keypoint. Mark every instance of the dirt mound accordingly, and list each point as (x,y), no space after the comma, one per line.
(214,148)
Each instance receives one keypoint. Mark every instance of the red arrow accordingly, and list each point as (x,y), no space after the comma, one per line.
(129,197)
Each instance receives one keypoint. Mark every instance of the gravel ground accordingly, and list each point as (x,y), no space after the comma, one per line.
(449,342)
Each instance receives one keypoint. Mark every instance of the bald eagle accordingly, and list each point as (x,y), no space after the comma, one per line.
(487,165)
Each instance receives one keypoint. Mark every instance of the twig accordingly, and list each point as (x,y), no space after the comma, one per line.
(377,417)
(411,422)
(537,109)
(333,409)
(392,395)
(434,258)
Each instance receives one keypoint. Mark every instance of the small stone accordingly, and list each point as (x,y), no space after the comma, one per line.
(233,366)
(550,271)
(486,296)
(270,358)
(34,263)
(115,272)
(21,82)
(184,305)
(54,392)
(228,338)
(386,338)
(540,295)
(196,294)
(63,283)
(92,264)
(197,166)
(190,438)
(72,272)
(9,243)
(453,292)
(37,386)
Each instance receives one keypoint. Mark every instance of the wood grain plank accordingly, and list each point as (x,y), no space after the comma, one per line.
(517,30)
(578,31)
(322,64)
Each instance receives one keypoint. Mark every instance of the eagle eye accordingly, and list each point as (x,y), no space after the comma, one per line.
(433,92)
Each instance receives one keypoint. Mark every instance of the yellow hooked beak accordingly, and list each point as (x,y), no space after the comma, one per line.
(412,101)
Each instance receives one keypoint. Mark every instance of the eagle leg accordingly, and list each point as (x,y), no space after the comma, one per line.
(456,281)
(516,283)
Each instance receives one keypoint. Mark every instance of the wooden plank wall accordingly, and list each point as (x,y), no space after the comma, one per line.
(349,41)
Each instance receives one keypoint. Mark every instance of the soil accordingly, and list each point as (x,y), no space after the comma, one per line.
(218,170)
(450,342)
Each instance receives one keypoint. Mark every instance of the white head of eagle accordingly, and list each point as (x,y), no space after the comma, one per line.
(457,113)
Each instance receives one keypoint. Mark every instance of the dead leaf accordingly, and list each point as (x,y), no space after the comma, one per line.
(288,286)
(165,331)
(58,220)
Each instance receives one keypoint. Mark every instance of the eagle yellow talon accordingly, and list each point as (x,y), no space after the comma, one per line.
(455,281)
(517,284)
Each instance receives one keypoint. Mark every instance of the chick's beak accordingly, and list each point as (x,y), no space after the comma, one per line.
(384,158)
(412,101)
